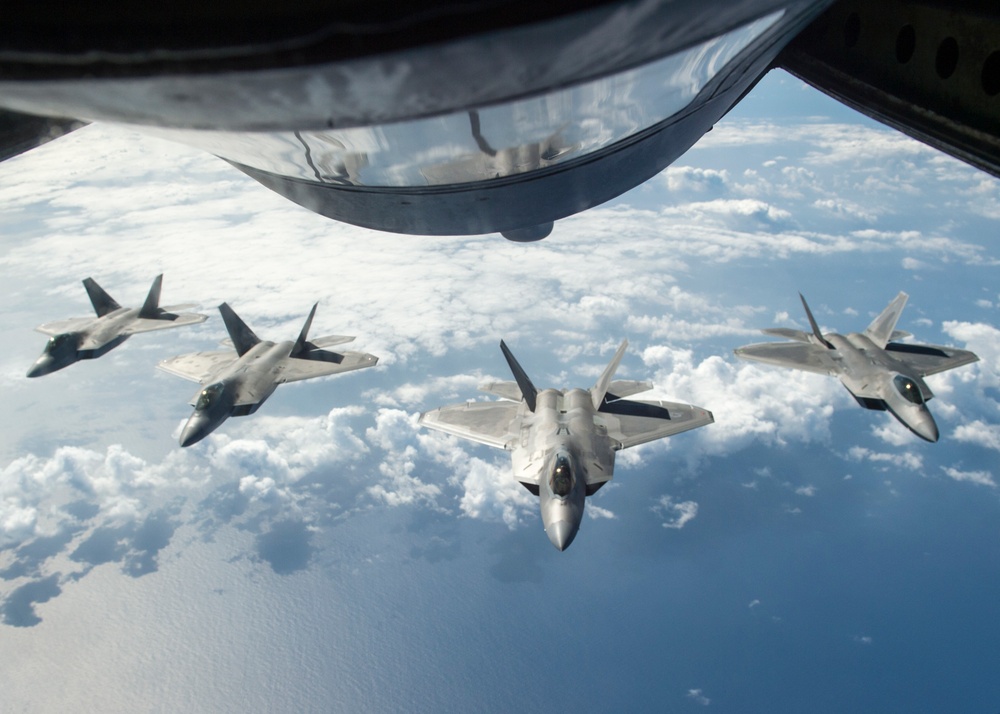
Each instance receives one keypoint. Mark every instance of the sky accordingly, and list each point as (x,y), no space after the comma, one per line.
(326,554)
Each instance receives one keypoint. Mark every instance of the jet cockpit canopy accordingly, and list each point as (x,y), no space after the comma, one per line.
(209,396)
(562,478)
(60,342)
(908,388)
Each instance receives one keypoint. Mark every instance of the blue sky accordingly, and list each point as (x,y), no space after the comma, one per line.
(325,554)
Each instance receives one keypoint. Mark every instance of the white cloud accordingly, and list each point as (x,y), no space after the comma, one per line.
(750,402)
(34,490)
(694,179)
(983,478)
(806,491)
(906,460)
(982,339)
(677,515)
(892,432)
(598,512)
(979,433)
(696,696)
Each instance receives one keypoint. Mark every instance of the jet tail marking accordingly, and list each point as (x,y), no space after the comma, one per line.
(598,391)
(242,336)
(102,302)
(528,391)
(882,327)
(151,308)
(813,325)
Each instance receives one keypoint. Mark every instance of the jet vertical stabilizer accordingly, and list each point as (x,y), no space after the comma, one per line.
(812,323)
(242,336)
(883,326)
(151,308)
(528,391)
(302,346)
(598,391)
(102,302)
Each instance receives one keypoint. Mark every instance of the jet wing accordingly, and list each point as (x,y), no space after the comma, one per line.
(486,423)
(631,430)
(930,359)
(198,366)
(295,369)
(143,324)
(796,355)
(59,327)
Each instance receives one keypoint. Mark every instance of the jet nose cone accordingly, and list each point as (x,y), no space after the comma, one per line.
(561,533)
(927,429)
(41,367)
(196,429)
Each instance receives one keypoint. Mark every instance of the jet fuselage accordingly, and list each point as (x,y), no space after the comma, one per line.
(559,439)
(63,350)
(238,390)
(877,380)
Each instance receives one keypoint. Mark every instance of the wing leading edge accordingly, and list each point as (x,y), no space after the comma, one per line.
(930,359)
(796,355)
(631,430)
(323,364)
(486,423)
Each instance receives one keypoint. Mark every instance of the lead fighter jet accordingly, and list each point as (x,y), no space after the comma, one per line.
(880,374)
(563,442)
(239,382)
(91,337)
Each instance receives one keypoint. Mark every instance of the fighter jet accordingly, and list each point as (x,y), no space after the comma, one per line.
(563,442)
(236,384)
(880,373)
(89,338)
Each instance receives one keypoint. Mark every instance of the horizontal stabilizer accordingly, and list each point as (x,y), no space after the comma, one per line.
(504,390)
(102,302)
(626,388)
(899,335)
(788,333)
(329,341)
